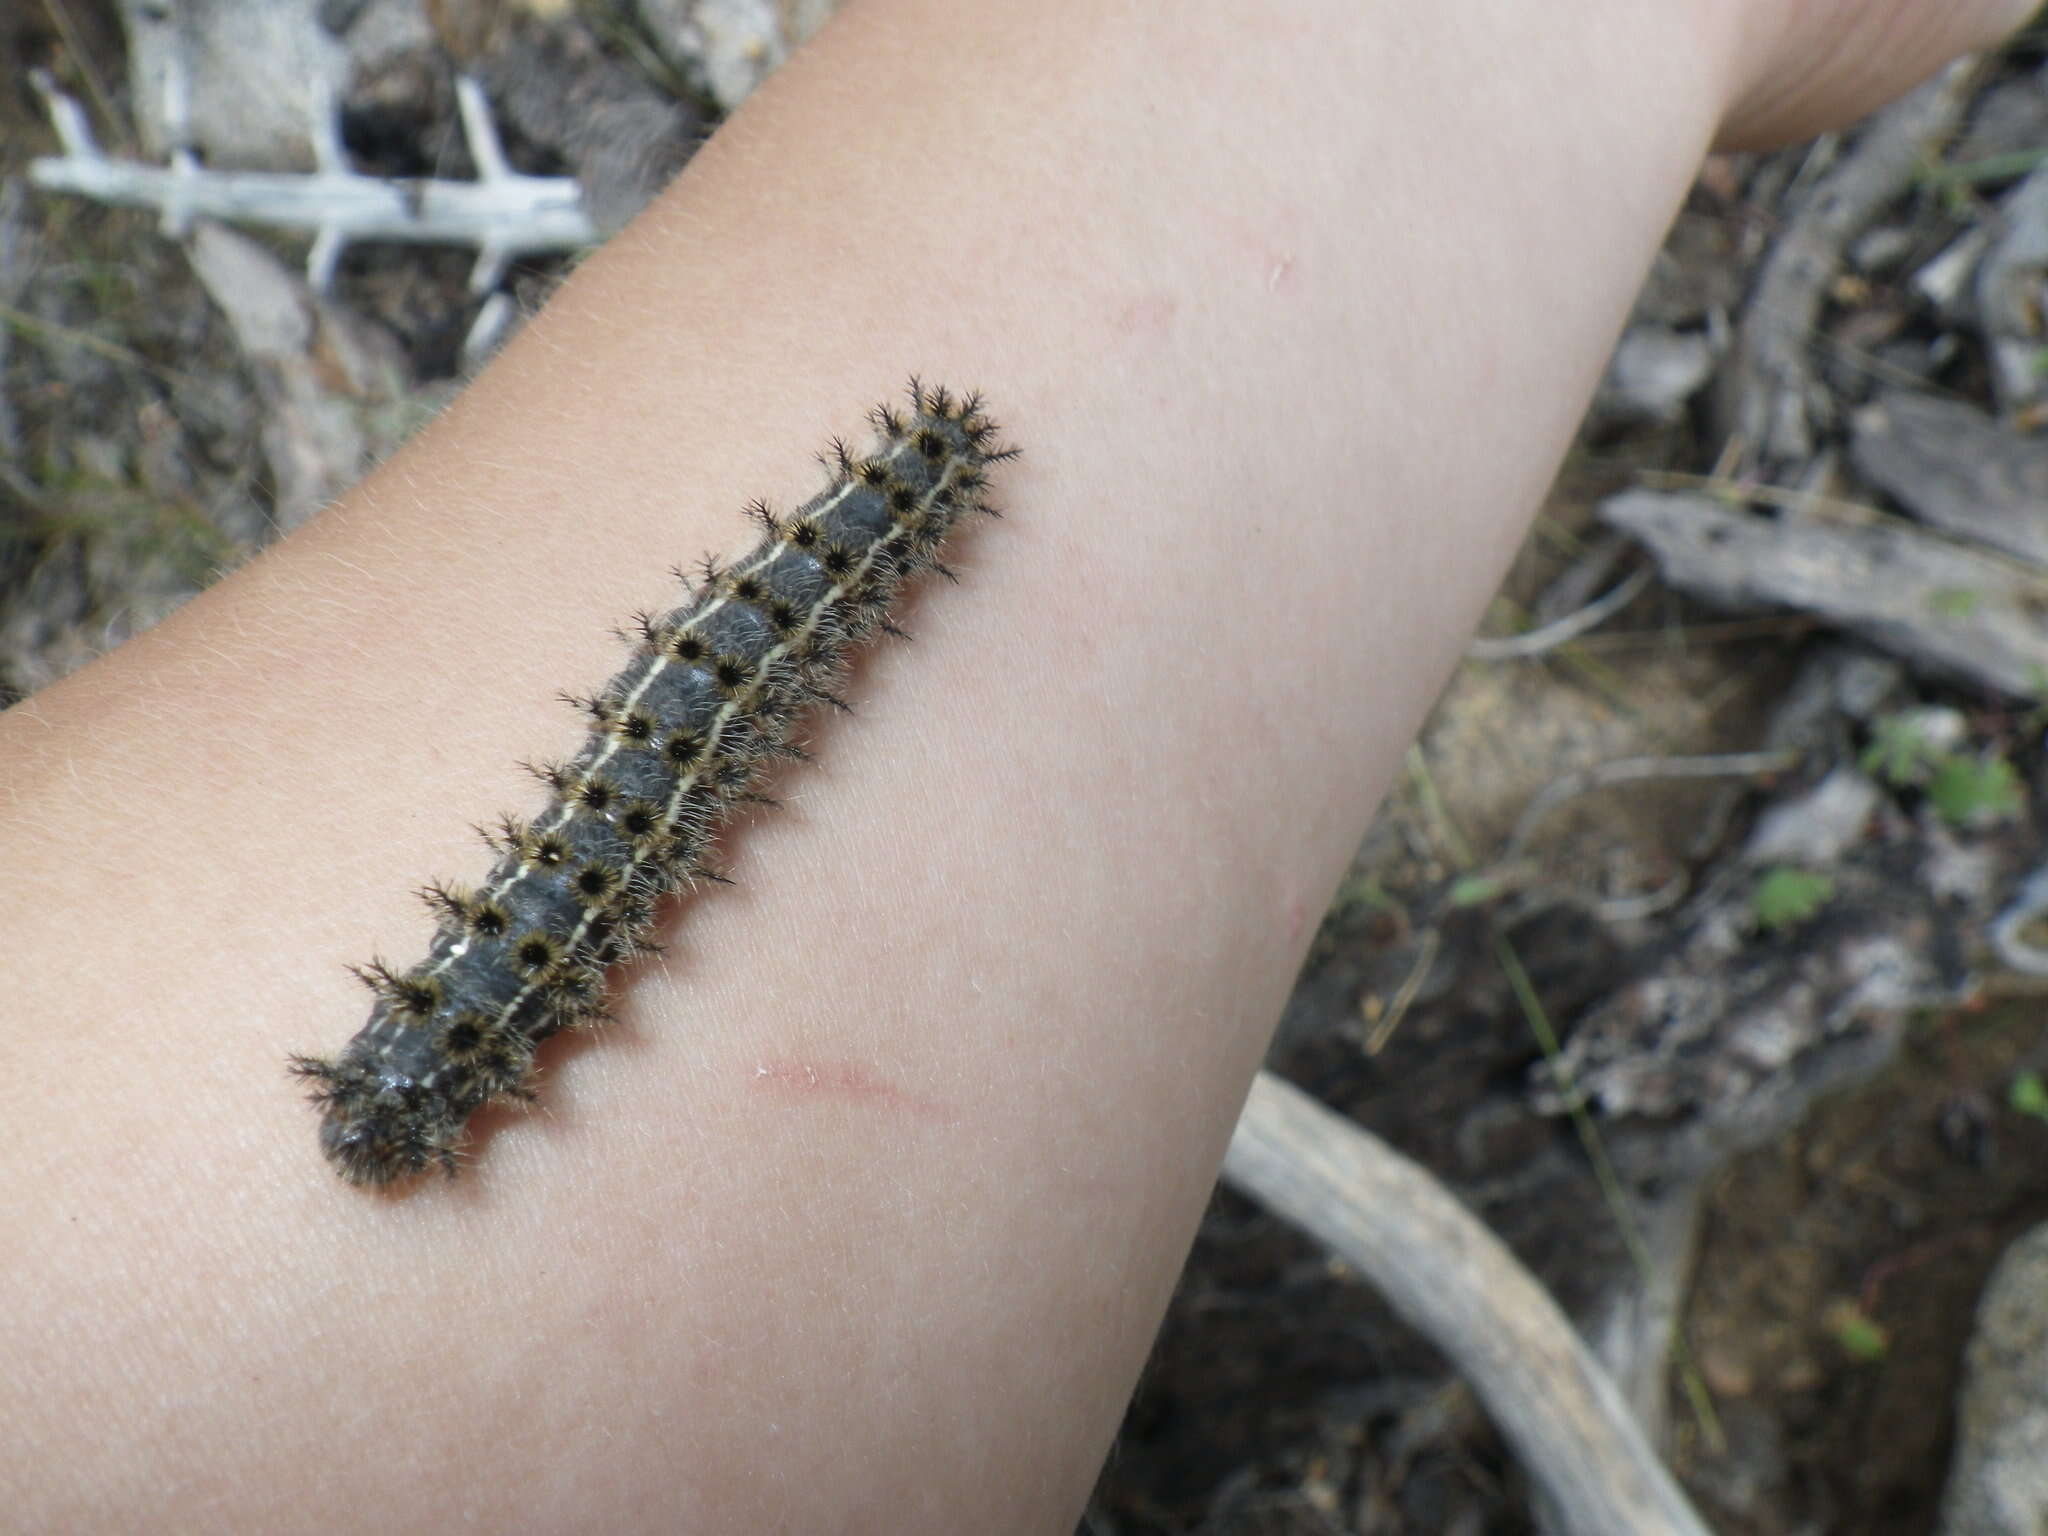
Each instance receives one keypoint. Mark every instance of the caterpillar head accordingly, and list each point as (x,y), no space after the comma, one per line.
(374,1129)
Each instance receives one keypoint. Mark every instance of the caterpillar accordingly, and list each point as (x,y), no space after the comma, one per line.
(713,697)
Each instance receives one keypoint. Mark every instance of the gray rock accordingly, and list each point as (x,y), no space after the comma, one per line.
(234,80)
(1998,1482)
(1958,469)
(1653,373)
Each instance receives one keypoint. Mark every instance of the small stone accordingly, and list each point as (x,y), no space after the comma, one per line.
(1802,1373)
(1998,1481)
(1726,1373)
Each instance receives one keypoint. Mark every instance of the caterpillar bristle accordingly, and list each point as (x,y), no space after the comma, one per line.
(447,901)
(377,976)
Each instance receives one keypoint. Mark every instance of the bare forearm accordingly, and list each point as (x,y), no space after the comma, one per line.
(864,1214)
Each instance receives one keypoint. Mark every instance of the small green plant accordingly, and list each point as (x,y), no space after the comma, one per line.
(1975,791)
(2028,1095)
(1860,1336)
(1903,749)
(1476,890)
(1365,893)
(1786,896)
(1919,749)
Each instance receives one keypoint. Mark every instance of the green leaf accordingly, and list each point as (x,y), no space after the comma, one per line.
(1900,750)
(2028,1095)
(1975,791)
(1785,897)
(1475,890)
(1860,1335)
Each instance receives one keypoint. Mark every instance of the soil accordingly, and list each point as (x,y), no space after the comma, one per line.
(1890,1204)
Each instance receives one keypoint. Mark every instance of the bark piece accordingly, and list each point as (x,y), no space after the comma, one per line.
(1956,468)
(1768,394)
(2008,292)
(1945,608)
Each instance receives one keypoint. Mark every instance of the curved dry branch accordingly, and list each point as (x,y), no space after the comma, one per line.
(1539,642)
(1457,1284)
(1768,389)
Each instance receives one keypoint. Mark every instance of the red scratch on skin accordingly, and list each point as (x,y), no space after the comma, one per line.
(1268,249)
(1297,918)
(1147,317)
(847,1080)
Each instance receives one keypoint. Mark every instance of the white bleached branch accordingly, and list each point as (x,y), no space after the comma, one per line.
(502,214)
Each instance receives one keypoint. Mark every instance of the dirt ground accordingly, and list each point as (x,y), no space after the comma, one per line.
(1829,1282)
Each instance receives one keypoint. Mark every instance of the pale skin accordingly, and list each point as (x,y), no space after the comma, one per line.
(863,1215)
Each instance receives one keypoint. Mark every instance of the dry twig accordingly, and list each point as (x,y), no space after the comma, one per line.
(502,214)
(1630,770)
(1459,1286)
(1549,637)
(1768,388)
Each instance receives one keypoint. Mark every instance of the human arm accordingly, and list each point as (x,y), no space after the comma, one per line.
(863,1215)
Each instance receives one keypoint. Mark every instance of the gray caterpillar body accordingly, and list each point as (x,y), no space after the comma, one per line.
(710,699)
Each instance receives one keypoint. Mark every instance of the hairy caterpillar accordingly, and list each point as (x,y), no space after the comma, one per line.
(711,698)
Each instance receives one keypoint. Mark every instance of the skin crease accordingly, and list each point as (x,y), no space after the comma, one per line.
(1821,63)
(862,1217)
